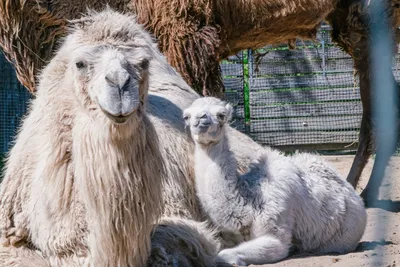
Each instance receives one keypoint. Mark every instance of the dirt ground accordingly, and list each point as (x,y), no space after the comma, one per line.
(373,244)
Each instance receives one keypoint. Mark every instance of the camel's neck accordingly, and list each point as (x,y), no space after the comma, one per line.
(215,167)
(118,171)
(218,186)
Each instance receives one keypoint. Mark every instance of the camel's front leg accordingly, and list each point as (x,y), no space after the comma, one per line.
(365,145)
(261,250)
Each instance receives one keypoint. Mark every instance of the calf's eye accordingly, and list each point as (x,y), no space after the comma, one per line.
(221,116)
(80,64)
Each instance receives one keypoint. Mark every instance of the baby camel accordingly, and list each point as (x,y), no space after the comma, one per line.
(281,203)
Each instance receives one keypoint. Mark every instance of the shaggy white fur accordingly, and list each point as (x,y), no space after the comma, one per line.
(281,202)
(87,154)
(45,147)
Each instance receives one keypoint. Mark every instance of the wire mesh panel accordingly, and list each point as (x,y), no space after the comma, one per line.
(13,104)
(308,96)
(232,70)
(304,96)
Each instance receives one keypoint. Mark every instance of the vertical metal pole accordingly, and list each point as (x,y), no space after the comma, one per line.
(384,98)
(323,58)
(246,88)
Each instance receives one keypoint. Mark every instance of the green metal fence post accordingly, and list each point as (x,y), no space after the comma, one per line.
(246,88)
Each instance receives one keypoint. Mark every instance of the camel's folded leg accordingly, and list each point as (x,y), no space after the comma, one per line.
(181,242)
(21,257)
(14,193)
(261,250)
(13,220)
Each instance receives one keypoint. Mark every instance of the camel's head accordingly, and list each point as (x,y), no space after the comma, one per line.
(206,118)
(113,77)
(109,64)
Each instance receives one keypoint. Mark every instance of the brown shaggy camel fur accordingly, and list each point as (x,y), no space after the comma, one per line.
(196,35)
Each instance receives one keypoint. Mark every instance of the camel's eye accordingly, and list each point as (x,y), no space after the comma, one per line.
(80,65)
(144,64)
(186,117)
(221,116)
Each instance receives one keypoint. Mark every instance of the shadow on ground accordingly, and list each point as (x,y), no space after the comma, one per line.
(371,245)
(386,204)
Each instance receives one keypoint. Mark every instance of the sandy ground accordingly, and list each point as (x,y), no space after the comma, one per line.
(373,245)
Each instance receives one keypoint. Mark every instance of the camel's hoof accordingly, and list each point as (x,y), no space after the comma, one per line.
(229,256)
(17,241)
(4,241)
(14,237)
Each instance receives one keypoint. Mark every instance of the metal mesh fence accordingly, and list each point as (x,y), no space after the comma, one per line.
(13,104)
(303,98)
(306,96)
(232,69)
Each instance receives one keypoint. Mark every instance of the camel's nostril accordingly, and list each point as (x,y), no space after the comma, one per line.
(118,78)
(111,80)
(125,87)
(205,123)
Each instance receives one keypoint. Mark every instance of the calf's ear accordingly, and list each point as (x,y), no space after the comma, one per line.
(229,111)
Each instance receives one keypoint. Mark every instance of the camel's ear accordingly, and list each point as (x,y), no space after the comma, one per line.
(229,111)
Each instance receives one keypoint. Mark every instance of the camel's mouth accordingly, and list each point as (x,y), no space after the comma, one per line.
(206,133)
(120,119)
(203,128)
